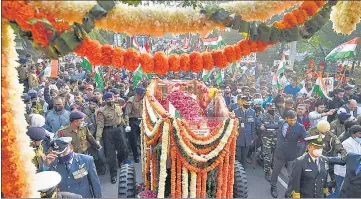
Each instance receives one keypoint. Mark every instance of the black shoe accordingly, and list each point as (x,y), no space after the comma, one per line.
(136,160)
(267,175)
(287,195)
(103,169)
(274,191)
(113,179)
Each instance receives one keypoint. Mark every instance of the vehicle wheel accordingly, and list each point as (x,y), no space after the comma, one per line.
(240,186)
(126,184)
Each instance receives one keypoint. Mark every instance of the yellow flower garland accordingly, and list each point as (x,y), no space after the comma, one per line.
(193,185)
(184,182)
(163,160)
(345,15)
(17,170)
(159,20)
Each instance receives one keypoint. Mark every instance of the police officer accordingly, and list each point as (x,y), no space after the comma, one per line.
(269,128)
(46,183)
(133,110)
(77,171)
(309,175)
(82,139)
(37,135)
(110,124)
(247,127)
(337,126)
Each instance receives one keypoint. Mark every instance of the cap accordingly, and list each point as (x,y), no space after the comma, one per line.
(76,115)
(108,95)
(342,111)
(354,129)
(257,101)
(36,133)
(98,90)
(33,94)
(59,145)
(323,126)
(89,86)
(316,140)
(93,99)
(348,87)
(46,180)
(26,98)
(140,91)
(271,105)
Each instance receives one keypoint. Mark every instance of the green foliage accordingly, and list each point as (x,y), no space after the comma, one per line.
(132,2)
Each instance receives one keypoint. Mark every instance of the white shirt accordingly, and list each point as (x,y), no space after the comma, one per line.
(315,117)
(350,145)
(304,91)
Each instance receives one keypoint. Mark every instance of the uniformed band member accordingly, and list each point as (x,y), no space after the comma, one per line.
(133,110)
(77,171)
(82,139)
(37,135)
(46,183)
(269,128)
(246,129)
(110,124)
(309,174)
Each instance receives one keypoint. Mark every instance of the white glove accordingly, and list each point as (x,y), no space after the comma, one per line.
(98,143)
(128,129)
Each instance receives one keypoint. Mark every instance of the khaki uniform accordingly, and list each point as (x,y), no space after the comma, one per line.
(134,108)
(332,145)
(109,117)
(133,111)
(337,128)
(82,139)
(39,157)
(33,80)
(23,71)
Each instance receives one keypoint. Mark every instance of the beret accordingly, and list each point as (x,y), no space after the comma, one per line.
(108,95)
(59,145)
(140,91)
(26,98)
(76,115)
(36,133)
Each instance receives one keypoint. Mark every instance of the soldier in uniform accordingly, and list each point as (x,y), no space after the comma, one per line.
(26,98)
(37,135)
(133,110)
(247,127)
(77,171)
(309,176)
(269,126)
(82,139)
(46,183)
(36,106)
(110,124)
(337,126)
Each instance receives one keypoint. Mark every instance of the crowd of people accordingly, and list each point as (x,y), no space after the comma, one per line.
(81,130)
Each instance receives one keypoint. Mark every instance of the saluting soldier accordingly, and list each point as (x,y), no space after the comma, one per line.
(133,110)
(110,124)
(37,135)
(82,139)
(77,171)
(309,175)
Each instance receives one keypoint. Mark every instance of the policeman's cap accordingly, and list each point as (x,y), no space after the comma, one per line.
(26,98)
(140,91)
(33,94)
(46,180)
(316,140)
(36,133)
(76,115)
(59,145)
(108,95)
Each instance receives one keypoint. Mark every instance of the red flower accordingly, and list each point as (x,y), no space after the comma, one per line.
(230,53)
(10,8)
(207,58)
(107,52)
(41,34)
(219,59)
(196,62)
(238,52)
(131,59)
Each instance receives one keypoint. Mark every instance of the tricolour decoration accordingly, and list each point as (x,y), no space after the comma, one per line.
(17,169)
(192,156)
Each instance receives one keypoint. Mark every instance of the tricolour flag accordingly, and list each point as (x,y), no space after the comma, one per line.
(98,76)
(138,75)
(220,77)
(280,70)
(213,43)
(52,69)
(135,44)
(320,88)
(85,63)
(344,50)
(206,74)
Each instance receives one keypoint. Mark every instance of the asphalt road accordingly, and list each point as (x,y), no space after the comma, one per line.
(258,186)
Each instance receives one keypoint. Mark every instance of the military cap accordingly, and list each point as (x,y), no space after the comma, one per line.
(76,115)
(46,180)
(271,105)
(36,133)
(108,95)
(59,145)
(316,140)
(26,98)
(140,91)
(33,93)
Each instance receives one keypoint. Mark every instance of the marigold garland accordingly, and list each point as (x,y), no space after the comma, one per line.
(219,59)
(207,60)
(173,170)
(107,52)
(161,66)
(230,53)
(204,185)
(41,34)
(219,180)
(179,175)
(154,171)
(196,62)
(147,63)
(131,59)
(184,62)
(225,174)
(117,57)
(174,62)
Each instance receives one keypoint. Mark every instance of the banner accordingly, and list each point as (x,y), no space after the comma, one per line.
(249,58)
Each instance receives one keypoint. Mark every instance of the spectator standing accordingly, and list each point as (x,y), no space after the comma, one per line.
(57,117)
(318,114)
(292,88)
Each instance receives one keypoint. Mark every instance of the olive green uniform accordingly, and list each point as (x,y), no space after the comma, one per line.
(133,110)
(337,128)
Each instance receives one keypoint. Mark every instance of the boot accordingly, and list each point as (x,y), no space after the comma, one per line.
(267,175)
(274,191)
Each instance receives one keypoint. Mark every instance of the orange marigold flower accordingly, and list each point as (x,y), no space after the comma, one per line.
(238,52)
(41,34)
(196,62)
(10,9)
(207,58)
(24,14)
(253,46)
(310,7)
(174,62)
(184,62)
(219,59)
(290,20)
(107,52)
(301,15)
(320,3)
(230,53)
(147,62)
(131,59)
(61,26)
(161,65)
(117,57)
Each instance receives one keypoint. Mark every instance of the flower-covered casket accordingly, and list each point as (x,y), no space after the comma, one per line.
(188,133)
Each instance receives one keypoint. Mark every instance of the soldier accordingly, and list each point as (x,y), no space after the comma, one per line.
(309,176)
(110,124)
(27,103)
(37,135)
(82,139)
(247,127)
(36,106)
(77,171)
(33,78)
(337,126)
(133,110)
(46,183)
(269,127)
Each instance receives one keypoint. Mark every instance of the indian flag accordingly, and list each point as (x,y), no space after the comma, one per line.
(220,77)
(280,70)
(320,88)
(173,111)
(51,70)
(138,75)
(344,50)
(135,44)
(169,50)
(99,77)
(213,43)
(206,74)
